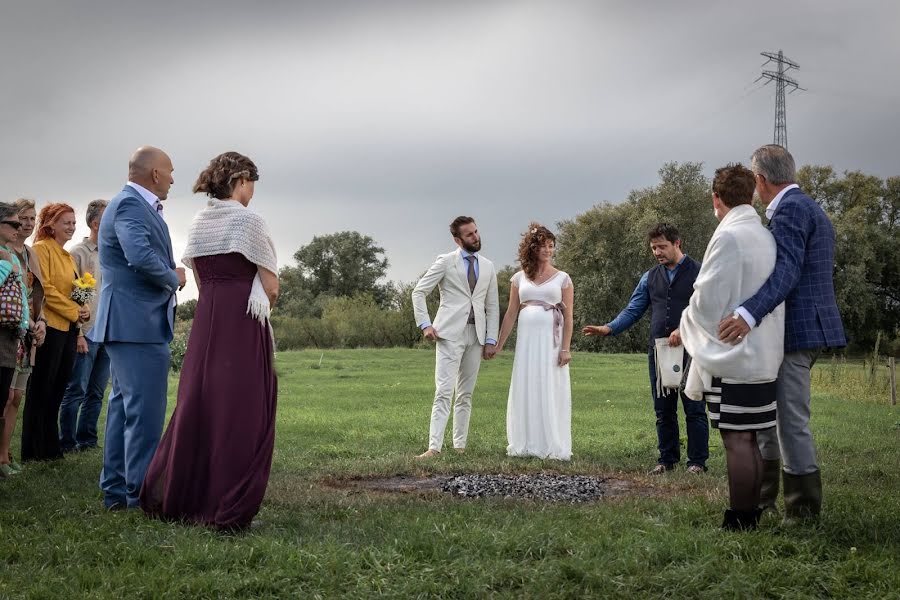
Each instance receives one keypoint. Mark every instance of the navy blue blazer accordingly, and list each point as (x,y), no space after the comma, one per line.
(803,277)
(138,272)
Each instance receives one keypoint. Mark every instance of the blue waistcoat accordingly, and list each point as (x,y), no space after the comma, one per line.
(668,300)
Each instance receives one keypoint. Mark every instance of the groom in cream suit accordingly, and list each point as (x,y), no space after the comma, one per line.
(465,329)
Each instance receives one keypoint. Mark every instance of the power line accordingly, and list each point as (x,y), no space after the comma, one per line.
(782,82)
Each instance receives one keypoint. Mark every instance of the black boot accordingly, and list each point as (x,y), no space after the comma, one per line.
(741,520)
(802,496)
(771,476)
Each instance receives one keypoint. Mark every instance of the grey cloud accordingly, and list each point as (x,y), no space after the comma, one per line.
(394,117)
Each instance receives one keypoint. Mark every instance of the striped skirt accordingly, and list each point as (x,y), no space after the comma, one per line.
(741,406)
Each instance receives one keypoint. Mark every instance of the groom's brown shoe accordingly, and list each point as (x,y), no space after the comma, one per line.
(459,450)
(429,453)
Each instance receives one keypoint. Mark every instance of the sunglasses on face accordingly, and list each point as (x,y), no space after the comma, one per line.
(13,224)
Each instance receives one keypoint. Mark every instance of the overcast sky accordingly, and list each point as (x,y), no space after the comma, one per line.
(392,118)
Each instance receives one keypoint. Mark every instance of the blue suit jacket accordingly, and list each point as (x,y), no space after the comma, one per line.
(138,274)
(803,277)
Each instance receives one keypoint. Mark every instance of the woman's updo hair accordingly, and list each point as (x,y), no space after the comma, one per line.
(224,171)
(534,238)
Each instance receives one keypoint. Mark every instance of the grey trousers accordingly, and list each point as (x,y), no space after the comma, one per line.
(791,440)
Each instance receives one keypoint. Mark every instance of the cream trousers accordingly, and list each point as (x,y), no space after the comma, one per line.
(456,370)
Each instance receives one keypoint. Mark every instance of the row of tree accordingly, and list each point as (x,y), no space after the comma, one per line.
(337,295)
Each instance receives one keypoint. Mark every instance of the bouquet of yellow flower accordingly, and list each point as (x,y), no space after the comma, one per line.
(84,289)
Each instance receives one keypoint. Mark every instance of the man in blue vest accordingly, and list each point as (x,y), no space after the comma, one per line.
(666,289)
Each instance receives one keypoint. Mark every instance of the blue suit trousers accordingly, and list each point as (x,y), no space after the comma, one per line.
(135,416)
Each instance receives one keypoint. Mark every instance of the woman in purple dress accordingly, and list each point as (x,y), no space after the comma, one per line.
(213,462)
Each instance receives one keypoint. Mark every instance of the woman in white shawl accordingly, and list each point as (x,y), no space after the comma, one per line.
(212,465)
(738,382)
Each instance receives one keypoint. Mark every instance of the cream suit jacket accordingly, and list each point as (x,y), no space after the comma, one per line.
(449,273)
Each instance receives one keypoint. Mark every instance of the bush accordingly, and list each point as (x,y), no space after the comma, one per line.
(348,323)
(177,348)
(185,310)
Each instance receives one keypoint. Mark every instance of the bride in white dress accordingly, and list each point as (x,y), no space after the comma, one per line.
(539,409)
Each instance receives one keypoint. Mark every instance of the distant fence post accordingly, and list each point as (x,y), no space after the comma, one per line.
(892,365)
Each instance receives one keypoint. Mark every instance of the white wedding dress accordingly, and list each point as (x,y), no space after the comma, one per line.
(539,409)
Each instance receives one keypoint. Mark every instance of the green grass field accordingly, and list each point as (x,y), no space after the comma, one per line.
(365,413)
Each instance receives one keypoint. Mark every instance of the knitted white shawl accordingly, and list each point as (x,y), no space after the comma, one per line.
(738,261)
(227,226)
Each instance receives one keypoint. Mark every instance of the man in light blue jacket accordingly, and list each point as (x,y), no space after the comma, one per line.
(134,321)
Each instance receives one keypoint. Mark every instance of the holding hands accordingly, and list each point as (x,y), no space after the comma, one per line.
(182,277)
(490,351)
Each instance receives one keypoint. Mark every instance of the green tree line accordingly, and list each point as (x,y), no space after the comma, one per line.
(337,295)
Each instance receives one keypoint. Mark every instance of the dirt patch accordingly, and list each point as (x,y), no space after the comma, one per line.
(535,486)
(397,483)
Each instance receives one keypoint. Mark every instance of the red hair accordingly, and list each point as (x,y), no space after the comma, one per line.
(47,217)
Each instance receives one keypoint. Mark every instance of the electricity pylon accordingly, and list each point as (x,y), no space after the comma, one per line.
(782,81)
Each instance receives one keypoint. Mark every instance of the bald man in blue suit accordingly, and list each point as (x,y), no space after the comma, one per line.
(134,320)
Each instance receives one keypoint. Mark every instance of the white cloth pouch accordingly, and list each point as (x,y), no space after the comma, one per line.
(669,365)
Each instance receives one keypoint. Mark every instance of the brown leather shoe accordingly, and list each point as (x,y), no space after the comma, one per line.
(696,470)
(459,450)
(661,469)
(428,454)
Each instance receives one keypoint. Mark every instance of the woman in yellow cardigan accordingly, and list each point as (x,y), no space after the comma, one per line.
(56,356)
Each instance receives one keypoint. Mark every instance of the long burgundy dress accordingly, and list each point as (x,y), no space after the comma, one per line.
(212,464)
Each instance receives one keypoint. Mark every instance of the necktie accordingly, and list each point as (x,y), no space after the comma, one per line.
(159,207)
(470,275)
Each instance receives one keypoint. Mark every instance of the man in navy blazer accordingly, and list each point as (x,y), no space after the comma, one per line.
(804,280)
(134,320)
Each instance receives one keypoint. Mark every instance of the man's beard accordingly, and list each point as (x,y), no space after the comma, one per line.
(472,248)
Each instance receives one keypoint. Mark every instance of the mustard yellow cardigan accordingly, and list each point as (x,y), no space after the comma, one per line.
(59,274)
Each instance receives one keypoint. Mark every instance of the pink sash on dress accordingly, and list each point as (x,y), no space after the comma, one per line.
(557,316)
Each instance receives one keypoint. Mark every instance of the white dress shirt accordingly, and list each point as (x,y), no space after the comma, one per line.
(150,197)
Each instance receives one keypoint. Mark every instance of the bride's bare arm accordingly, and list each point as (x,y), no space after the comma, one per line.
(512,314)
(270,284)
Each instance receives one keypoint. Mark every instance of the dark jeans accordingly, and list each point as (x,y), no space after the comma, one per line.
(666,408)
(85,392)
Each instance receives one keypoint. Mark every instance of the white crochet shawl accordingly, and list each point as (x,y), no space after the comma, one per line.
(227,226)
